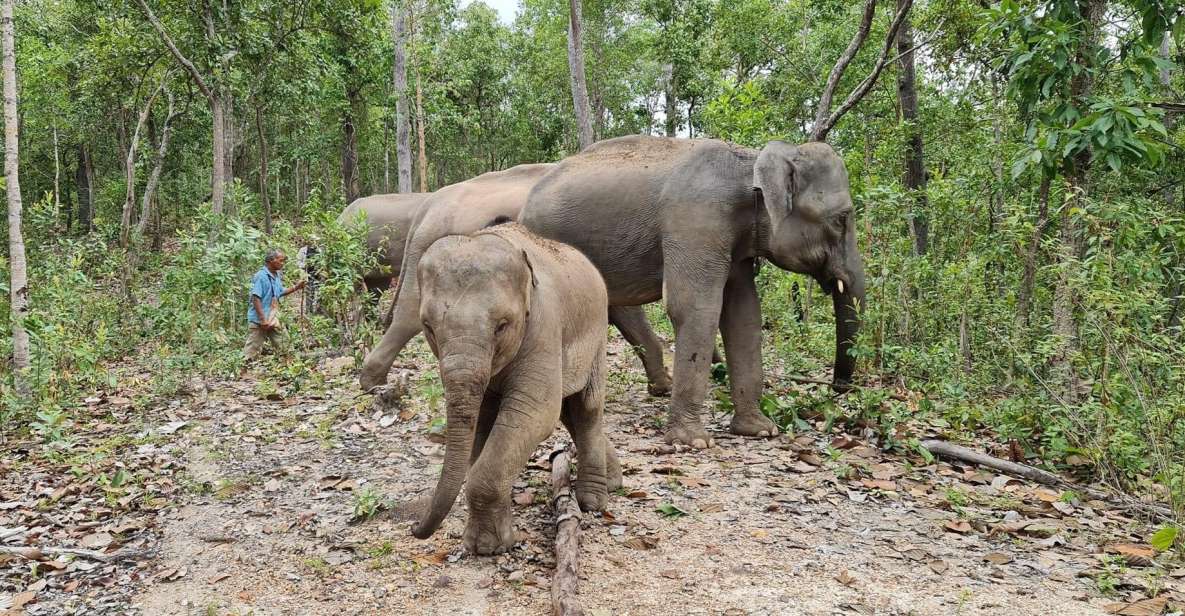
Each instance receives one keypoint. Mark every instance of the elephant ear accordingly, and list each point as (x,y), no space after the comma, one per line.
(773,178)
(530,269)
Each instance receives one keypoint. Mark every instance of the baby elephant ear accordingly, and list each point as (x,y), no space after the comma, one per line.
(530,268)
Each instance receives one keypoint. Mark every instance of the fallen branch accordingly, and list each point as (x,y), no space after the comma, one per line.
(567,538)
(12,532)
(1024,471)
(40,553)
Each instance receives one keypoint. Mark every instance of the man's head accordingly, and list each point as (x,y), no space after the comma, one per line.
(275,260)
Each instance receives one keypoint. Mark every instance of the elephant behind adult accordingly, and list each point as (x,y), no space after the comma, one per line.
(687,219)
(461,209)
(388,219)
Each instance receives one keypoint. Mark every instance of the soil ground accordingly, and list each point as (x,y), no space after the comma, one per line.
(235,499)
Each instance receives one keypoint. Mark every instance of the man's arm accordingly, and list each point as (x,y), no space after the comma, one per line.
(294,289)
(255,301)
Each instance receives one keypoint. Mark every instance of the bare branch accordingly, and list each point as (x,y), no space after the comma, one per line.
(841,65)
(181,59)
(820,130)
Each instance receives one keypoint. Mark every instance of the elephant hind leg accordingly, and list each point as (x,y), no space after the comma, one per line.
(631,322)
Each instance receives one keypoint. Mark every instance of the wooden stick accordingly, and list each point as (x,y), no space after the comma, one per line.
(12,532)
(809,381)
(1036,475)
(39,553)
(567,538)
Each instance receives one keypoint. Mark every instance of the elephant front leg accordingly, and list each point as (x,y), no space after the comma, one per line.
(740,325)
(694,307)
(524,420)
(631,322)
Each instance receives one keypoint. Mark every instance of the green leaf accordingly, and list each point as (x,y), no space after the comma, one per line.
(1164,538)
(671,511)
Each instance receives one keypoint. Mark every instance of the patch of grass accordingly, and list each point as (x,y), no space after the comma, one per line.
(317,565)
(368,503)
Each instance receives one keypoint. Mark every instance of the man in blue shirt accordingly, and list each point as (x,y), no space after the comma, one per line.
(263,319)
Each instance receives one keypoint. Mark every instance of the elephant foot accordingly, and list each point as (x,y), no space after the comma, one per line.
(660,388)
(592,495)
(693,435)
(370,379)
(487,535)
(753,424)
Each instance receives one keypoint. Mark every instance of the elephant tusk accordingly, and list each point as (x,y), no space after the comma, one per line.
(839,284)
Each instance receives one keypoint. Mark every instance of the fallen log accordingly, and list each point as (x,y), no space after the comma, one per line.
(41,552)
(952,451)
(564,601)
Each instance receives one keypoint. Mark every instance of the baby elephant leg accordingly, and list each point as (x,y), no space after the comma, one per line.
(582,417)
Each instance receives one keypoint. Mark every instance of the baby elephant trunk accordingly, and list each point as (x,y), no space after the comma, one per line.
(465,380)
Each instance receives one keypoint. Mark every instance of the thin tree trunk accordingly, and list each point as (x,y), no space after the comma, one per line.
(264,200)
(350,183)
(84,178)
(402,122)
(671,108)
(18,284)
(386,158)
(576,66)
(148,199)
(57,172)
(915,172)
(1025,299)
(1174,287)
(219,156)
(129,203)
(420,145)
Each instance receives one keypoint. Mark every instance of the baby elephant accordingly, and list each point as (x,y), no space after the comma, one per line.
(518,324)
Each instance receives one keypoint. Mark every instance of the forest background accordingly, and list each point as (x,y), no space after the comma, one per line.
(1017,170)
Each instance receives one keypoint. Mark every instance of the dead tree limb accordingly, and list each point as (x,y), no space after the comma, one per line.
(567,538)
(40,553)
(1024,471)
(825,119)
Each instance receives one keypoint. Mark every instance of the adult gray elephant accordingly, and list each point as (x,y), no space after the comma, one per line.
(686,220)
(461,209)
(388,219)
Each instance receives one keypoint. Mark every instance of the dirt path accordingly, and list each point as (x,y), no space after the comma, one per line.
(262,523)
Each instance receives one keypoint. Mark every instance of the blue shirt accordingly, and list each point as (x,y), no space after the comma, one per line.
(267,287)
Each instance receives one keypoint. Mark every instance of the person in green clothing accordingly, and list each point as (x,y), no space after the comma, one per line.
(263,319)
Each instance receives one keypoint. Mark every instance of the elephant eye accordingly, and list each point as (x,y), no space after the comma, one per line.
(502,327)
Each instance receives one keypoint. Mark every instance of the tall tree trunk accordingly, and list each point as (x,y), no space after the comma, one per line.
(671,103)
(1024,300)
(386,158)
(576,67)
(57,172)
(148,199)
(228,119)
(1065,325)
(218,180)
(84,178)
(915,172)
(1174,289)
(402,122)
(420,145)
(18,284)
(264,200)
(350,183)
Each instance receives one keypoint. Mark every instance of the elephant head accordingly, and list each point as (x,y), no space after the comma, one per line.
(812,231)
(474,304)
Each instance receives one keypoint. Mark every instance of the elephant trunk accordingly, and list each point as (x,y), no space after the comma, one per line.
(465,379)
(848,300)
